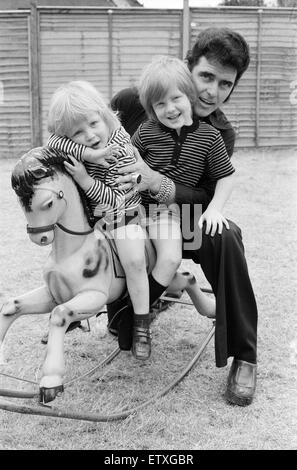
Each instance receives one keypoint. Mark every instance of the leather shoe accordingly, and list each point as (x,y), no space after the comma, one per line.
(241,383)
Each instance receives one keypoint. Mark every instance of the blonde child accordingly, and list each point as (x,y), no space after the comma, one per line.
(84,127)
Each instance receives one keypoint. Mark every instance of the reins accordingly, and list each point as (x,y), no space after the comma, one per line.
(48,228)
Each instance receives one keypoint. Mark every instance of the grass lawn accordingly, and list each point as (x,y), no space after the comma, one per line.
(194,415)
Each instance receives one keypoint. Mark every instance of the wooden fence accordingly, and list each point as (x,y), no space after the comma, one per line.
(44,47)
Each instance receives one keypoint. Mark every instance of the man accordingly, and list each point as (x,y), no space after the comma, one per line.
(217,61)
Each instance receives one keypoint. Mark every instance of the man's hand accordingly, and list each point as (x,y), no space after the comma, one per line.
(78,173)
(150,179)
(214,220)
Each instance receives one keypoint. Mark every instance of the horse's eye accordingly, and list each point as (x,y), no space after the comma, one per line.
(39,172)
(50,204)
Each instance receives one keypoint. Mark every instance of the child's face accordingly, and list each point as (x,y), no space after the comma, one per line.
(91,132)
(174,109)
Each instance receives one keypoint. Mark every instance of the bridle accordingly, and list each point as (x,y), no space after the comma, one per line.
(48,228)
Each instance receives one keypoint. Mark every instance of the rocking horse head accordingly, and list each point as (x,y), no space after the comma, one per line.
(48,195)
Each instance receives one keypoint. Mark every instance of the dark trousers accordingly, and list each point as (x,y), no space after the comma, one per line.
(223,262)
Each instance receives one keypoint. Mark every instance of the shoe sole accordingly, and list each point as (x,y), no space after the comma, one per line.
(236,400)
(141,358)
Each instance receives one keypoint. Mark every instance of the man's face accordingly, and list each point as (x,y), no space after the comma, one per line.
(214,83)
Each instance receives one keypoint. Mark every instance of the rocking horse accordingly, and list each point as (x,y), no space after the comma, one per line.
(81,272)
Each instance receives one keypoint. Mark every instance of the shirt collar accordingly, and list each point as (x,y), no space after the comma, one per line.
(218,120)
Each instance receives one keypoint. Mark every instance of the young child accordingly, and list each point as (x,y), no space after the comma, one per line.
(84,128)
(175,143)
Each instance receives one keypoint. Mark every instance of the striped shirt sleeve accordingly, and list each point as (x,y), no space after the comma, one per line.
(67,146)
(108,199)
(137,142)
(219,164)
(228,136)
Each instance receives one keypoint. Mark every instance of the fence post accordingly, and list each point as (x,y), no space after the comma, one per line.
(186,28)
(110,59)
(258,81)
(35,77)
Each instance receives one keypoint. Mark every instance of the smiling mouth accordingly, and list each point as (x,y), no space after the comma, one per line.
(207,103)
(173,118)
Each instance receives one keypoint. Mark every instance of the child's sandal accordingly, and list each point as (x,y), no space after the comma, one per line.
(141,347)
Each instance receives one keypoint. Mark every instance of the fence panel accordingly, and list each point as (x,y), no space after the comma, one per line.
(15,114)
(73,46)
(137,37)
(277,116)
(106,47)
(110,47)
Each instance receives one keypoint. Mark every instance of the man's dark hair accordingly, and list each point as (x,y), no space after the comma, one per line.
(222,45)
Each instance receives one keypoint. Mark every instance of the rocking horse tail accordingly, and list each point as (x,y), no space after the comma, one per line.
(120,321)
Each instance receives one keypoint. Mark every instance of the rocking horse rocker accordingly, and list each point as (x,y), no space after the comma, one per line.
(80,273)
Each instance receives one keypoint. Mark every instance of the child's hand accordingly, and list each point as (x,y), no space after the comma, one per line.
(214,220)
(103,156)
(78,172)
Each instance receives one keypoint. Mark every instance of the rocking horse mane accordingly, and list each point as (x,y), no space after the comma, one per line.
(39,163)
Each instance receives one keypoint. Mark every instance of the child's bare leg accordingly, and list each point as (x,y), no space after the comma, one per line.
(165,235)
(130,241)
(130,245)
(204,304)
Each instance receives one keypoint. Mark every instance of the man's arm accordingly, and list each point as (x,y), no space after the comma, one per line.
(213,217)
(131,112)
(152,180)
